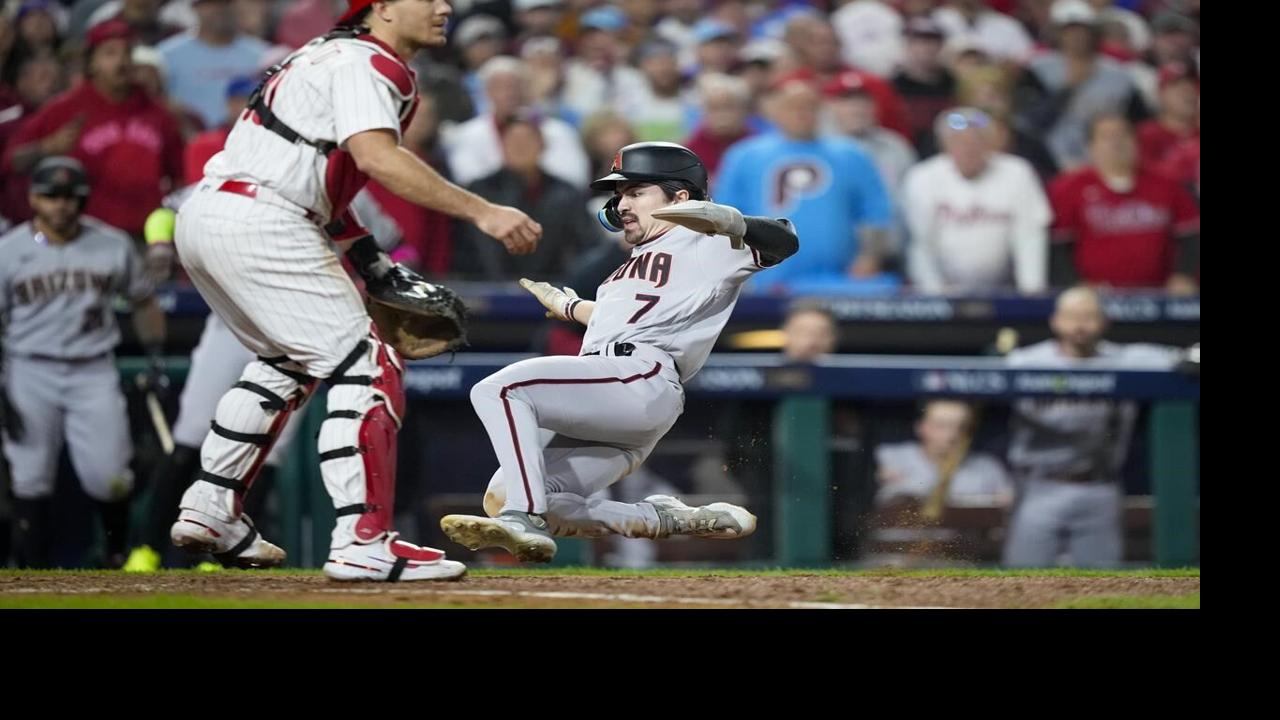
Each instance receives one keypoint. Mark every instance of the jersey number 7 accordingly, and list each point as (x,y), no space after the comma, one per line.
(649,301)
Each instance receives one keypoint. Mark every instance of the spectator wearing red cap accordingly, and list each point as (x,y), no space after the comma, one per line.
(853,110)
(129,144)
(1122,225)
(1179,117)
(817,47)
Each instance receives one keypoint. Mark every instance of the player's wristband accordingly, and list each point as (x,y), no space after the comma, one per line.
(570,306)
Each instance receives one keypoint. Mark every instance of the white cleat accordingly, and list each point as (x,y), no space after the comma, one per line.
(234,544)
(391,560)
(523,535)
(718,521)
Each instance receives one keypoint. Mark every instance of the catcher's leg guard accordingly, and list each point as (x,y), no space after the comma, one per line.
(358,441)
(248,420)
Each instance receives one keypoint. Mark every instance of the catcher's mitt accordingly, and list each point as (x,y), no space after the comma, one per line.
(419,319)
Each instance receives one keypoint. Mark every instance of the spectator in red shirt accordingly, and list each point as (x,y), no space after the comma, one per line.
(1121,225)
(817,47)
(129,144)
(1179,117)
(1183,165)
(726,104)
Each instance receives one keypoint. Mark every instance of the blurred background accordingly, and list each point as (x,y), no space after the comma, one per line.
(914,388)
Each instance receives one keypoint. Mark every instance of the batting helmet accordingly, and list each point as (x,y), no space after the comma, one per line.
(651,162)
(60,175)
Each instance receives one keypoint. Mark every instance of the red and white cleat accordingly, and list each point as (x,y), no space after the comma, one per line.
(391,560)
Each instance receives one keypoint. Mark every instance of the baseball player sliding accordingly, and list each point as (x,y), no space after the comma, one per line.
(252,238)
(564,428)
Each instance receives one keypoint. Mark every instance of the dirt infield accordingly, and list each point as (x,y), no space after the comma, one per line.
(514,589)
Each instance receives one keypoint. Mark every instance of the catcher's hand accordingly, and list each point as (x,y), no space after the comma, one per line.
(706,217)
(559,303)
(419,319)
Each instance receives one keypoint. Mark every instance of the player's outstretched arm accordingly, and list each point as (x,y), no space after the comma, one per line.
(401,172)
(560,304)
(774,240)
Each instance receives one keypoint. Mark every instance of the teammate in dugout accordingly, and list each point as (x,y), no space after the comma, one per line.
(253,240)
(565,427)
(60,273)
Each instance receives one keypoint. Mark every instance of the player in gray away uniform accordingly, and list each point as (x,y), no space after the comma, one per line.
(59,276)
(1067,453)
(650,329)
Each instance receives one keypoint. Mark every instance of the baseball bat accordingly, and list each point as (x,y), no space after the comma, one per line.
(158,421)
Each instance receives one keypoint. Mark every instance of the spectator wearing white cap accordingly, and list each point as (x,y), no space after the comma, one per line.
(536,18)
(997,34)
(149,74)
(474,148)
(676,27)
(478,39)
(668,114)
(544,61)
(597,78)
(870,35)
(978,219)
(1063,89)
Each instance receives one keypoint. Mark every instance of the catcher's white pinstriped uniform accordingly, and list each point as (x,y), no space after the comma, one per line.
(252,239)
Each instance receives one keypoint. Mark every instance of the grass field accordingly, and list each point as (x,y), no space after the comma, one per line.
(599,588)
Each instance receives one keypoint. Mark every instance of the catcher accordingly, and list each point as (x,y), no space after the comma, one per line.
(253,240)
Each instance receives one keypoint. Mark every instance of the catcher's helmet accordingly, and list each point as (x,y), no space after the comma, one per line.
(654,162)
(60,175)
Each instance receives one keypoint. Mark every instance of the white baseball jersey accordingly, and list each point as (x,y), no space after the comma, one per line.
(986,232)
(327,92)
(676,293)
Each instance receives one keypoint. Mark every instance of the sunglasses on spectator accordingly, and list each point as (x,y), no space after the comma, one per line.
(960,121)
(60,195)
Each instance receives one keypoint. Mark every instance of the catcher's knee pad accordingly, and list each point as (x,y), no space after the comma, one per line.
(246,424)
(358,439)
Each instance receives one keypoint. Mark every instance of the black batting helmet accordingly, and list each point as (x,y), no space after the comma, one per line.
(60,175)
(656,162)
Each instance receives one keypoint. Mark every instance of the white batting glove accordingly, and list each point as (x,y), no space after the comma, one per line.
(559,303)
(706,217)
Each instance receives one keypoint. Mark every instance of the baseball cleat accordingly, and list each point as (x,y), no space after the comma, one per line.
(718,521)
(391,560)
(523,535)
(234,544)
